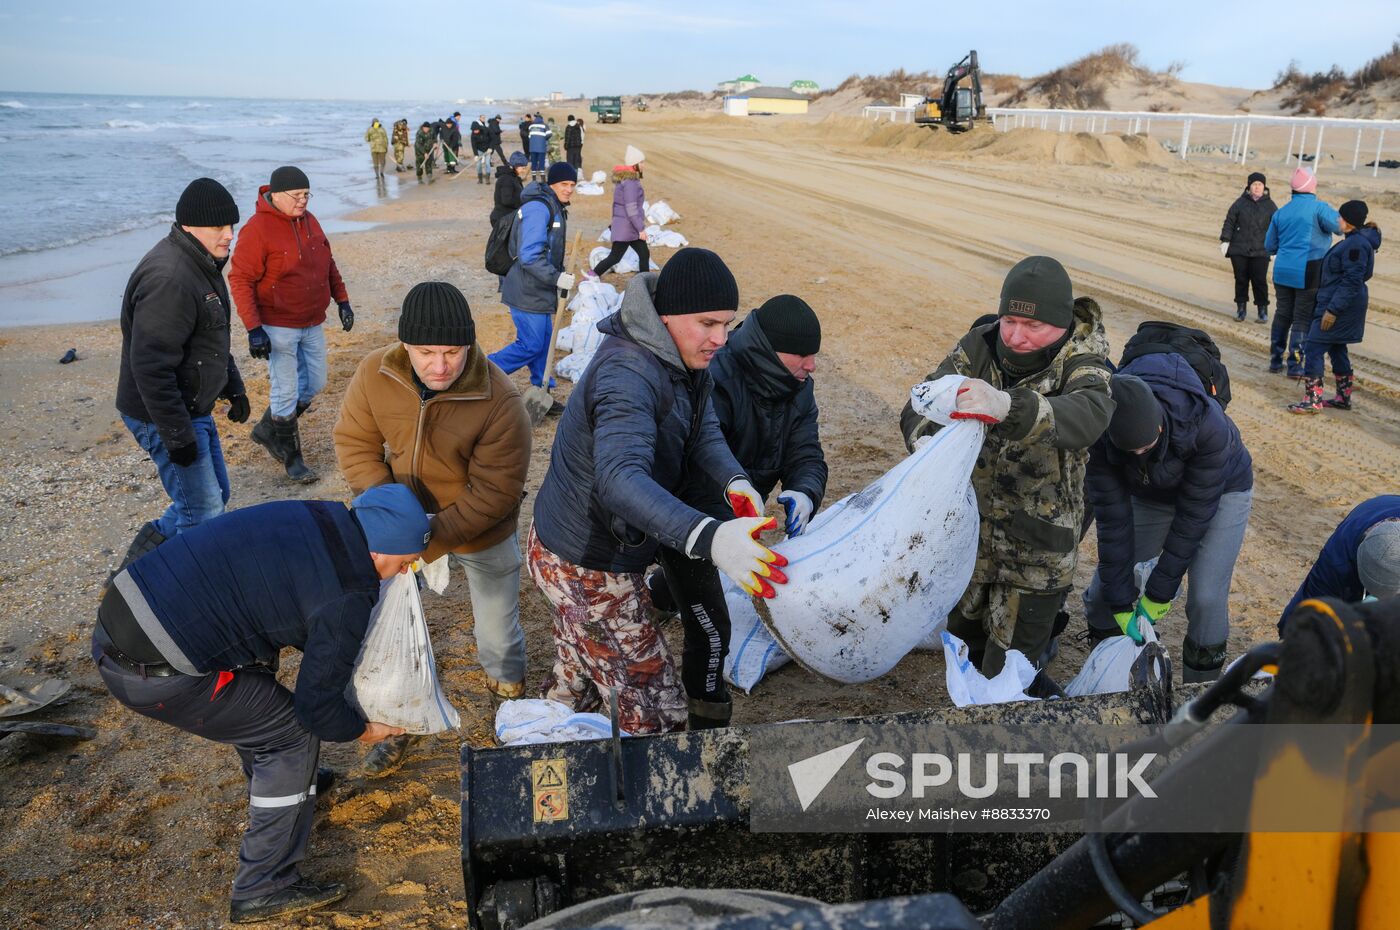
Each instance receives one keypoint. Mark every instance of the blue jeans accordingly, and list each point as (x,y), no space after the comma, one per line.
(537,161)
(1317,348)
(530,348)
(493,581)
(1208,576)
(199,491)
(296,372)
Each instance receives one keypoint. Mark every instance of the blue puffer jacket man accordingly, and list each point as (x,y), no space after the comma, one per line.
(534,283)
(1337,572)
(1171,480)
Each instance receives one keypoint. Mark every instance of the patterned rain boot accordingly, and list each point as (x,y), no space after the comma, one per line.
(1312,399)
(1240,312)
(1342,400)
(1263,316)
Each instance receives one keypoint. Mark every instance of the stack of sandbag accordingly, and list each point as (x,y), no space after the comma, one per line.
(627,265)
(539,720)
(657,238)
(594,302)
(877,573)
(395,678)
(593,186)
(659,213)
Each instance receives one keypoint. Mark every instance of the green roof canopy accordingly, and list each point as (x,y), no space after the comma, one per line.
(796,84)
(747,77)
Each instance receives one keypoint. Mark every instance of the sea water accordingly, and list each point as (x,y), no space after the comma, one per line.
(90,181)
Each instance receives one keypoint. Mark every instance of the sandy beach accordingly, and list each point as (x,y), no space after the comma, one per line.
(897,236)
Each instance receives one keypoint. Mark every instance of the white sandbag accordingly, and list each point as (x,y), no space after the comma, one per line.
(753,652)
(605,235)
(395,679)
(1109,668)
(659,213)
(658,238)
(877,572)
(967,685)
(628,264)
(588,189)
(594,302)
(538,720)
(597,177)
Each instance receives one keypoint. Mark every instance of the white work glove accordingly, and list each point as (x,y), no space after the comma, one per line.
(565,282)
(978,400)
(744,498)
(798,509)
(736,551)
(1224,247)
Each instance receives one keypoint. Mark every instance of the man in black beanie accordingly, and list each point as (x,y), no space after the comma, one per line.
(767,411)
(641,419)
(460,438)
(1170,483)
(176,363)
(1038,377)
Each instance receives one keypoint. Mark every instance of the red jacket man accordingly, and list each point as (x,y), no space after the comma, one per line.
(282,278)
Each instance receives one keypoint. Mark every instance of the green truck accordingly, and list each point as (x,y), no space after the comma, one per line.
(609,109)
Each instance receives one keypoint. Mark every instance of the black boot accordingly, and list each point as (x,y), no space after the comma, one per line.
(262,434)
(1240,311)
(297,898)
(1201,662)
(1263,316)
(288,442)
(708,715)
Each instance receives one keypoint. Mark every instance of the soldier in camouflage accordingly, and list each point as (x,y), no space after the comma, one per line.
(1039,379)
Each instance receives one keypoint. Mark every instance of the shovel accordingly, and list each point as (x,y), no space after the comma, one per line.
(538,400)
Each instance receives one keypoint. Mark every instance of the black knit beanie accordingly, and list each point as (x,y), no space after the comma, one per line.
(1256,176)
(1137,416)
(695,281)
(1354,212)
(1038,288)
(288,178)
(790,325)
(436,314)
(206,202)
(561,171)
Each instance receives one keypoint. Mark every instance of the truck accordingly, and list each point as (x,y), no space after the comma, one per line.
(609,109)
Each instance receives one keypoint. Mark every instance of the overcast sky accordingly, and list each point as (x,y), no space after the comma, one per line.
(437,49)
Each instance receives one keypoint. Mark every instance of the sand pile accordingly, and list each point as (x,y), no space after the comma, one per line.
(1029,145)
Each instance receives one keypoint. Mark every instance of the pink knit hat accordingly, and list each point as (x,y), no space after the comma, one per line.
(1304,182)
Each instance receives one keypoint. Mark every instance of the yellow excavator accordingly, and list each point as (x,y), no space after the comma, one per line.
(960,106)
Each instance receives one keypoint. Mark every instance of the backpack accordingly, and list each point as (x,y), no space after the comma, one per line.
(500,254)
(1194,345)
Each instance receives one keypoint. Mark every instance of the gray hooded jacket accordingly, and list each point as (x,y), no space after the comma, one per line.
(637,422)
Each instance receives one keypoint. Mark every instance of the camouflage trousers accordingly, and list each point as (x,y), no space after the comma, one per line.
(604,640)
(993,618)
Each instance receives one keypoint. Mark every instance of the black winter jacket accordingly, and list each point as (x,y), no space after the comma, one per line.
(524,128)
(637,422)
(479,136)
(573,135)
(1199,458)
(450,135)
(1246,222)
(238,589)
(175,360)
(769,419)
(508,189)
(493,133)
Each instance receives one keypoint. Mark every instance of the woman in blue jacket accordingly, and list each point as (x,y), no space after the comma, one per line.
(1341,300)
(1170,480)
(1298,237)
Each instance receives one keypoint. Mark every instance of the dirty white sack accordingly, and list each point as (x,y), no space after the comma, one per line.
(878,572)
(753,652)
(588,188)
(967,685)
(1109,668)
(657,238)
(628,264)
(593,302)
(597,177)
(539,720)
(659,213)
(395,678)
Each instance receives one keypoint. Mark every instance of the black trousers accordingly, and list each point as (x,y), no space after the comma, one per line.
(1251,272)
(694,590)
(619,249)
(574,157)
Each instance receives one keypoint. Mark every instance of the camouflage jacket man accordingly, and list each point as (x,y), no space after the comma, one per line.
(1029,476)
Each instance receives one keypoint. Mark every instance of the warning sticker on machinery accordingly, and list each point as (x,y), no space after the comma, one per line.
(549,781)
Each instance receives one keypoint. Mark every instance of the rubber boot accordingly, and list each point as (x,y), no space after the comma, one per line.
(1201,663)
(288,442)
(1312,397)
(1241,311)
(387,755)
(262,434)
(708,715)
(1263,316)
(1342,399)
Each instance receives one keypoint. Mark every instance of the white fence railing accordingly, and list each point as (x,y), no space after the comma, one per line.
(1301,129)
